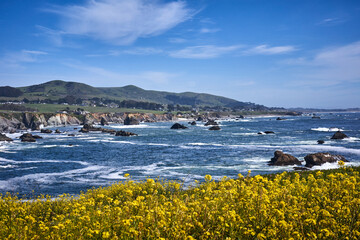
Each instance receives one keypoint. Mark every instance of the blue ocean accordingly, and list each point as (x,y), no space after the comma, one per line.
(59,163)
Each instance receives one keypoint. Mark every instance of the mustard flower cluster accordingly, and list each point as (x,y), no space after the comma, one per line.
(309,205)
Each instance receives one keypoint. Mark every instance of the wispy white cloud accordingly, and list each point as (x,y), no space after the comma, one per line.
(204,51)
(209,30)
(143,51)
(267,50)
(131,51)
(177,40)
(331,66)
(122,21)
(331,21)
(15,59)
(146,78)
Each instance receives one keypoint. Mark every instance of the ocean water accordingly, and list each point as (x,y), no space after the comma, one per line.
(59,163)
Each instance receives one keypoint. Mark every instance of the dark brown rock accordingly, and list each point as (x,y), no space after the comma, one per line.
(320,141)
(280,119)
(269,132)
(131,121)
(339,135)
(90,128)
(215,128)
(27,137)
(283,159)
(57,131)
(178,126)
(103,122)
(321,158)
(125,134)
(193,123)
(106,130)
(46,131)
(3,137)
(211,122)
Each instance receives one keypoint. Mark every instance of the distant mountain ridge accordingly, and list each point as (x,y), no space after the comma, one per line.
(57,89)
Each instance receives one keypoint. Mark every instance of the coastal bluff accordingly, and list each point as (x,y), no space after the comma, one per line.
(12,122)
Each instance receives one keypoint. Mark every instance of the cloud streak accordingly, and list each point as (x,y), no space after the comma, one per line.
(121,22)
(267,50)
(330,67)
(203,51)
(15,59)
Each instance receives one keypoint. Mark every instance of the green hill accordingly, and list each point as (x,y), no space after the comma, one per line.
(58,89)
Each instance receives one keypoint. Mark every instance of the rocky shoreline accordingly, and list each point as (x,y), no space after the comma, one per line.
(14,122)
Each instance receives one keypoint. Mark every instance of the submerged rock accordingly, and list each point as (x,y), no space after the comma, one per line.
(28,137)
(321,158)
(178,126)
(106,130)
(339,135)
(3,137)
(90,128)
(103,122)
(46,131)
(280,119)
(320,141)
(211,122)
(125,134)
(283,159)
(193,123)
(131,121)
(269,132)
(57,131)
(215,128)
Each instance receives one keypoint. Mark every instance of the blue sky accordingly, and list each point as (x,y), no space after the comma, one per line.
(287,53)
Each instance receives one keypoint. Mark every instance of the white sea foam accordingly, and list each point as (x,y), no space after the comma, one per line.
(247,134)
(7,166)
(325,129)
(352,139)
(136,126)
(205,144)
(62,146)
(6,160)
(158,144)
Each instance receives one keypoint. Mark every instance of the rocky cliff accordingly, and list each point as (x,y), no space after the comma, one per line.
(12,122)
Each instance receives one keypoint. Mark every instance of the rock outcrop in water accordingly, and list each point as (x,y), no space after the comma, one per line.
(103,122)
(131,121)
(46,131)
(3,137)
(215,128)
(339,135)
(211,123)
(178,126)
(283,159)
(28,137)
(321,158)
(125,134)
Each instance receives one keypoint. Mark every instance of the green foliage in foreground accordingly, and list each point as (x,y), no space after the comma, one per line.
(306,205)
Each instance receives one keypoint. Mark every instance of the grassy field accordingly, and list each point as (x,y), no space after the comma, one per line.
(305,205)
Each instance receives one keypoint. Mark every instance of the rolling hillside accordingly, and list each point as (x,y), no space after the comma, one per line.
(57,89)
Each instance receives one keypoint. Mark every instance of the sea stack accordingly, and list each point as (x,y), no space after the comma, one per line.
(339,135)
